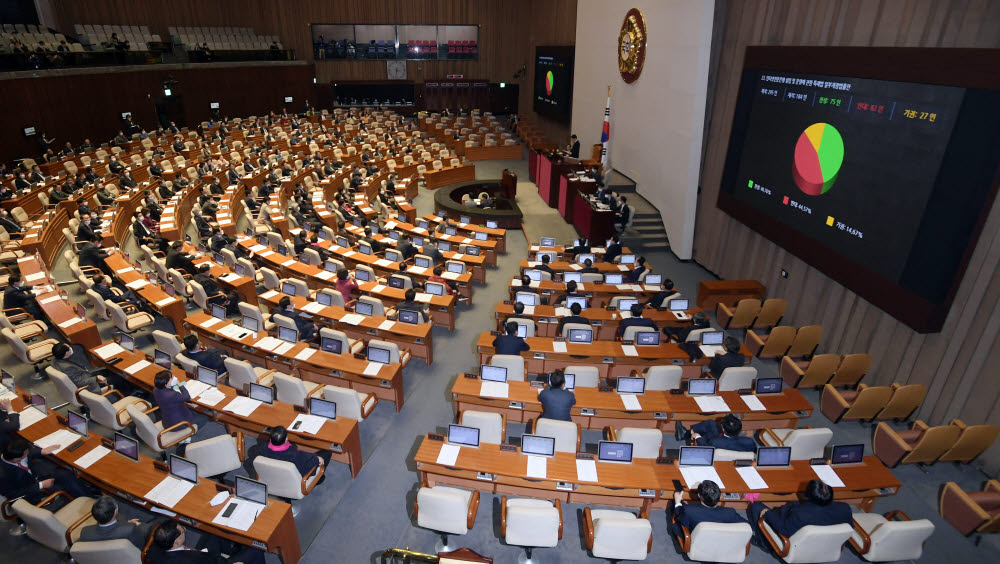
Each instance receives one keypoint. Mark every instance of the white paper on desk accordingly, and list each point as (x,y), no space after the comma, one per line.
(267,344)
(495,389)
(137,367)
(466,241)
(49,300)
(62,437)
(257,248)
(448,455)
(324,275)
(69,322)
(242,406)
(283,348)
(418,270)
(694,475)
(32,277)
(383,262)
(378,288)
(586,470)
(651,288)
(352,318)
(310,424)
(234,331)
(288,262)
(711,350)
(109,350)
(124,270)
(631,402)
(136,284)
(386,325)
(29,416)
(711,403)
(457,256)
(753,402)
(390,225)
(269,295)
(219,498)
(559,346)
(630,350)
(575,266)
(165,301)
(211,397)
(305,353)
(88,460)
(623,267)
(195,387)
(349,253)
(529,310)
(534,248)
(210,322)
(450,275)
(423,298)
(372,368)
(829,476)
(230,277)
(752,478)
(265,253)
(537,467)
(313,307)
(169,491)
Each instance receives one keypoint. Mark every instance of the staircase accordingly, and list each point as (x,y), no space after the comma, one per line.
(646,233)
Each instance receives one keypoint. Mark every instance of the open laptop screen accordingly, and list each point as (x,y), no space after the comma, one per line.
(612,278)
(460,435)
(261,393)
(219,311)
(769,385)
(539,445)
(288,334)
(581,336)
(208,376)
(548,242)
(847,454)
(608,451)
(362,308)
(774,456)
(129,448)
(653,279)
(251,490)
(712,337)
(527,298)
(493,373)
(628,385)
(183,469)
(434,288)
(376,354)
(702,386)
(78,423)
(407,316)
(647,338)
(678,304)
(323,408)
(570,380)
(161,359)
(576,300)
(696,456)
(331,345)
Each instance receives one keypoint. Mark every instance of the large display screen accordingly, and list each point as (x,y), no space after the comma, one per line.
(877,179)
(553,94)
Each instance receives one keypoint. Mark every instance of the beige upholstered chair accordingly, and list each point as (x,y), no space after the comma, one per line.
(971,512)
(812,373)
(663,378)
(646,443)
(118,551)
(153,434)
(851,370)
(715,542)
(806,443)
(740,317)
(446,510)
(922,444)
(811,543)
(530,522)
(566,433)
(294,390)
(351,404)
(283,478)
(617,535)
(879,538)
(56,530)
(513,363)
(216,456)
(773,345)
(973,440)
(863,404)
(115,415)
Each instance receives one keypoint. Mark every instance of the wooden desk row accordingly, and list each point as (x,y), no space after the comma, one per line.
(599,294)
(497,234)
(605,323)
(56,305)
(449,175)
(153,295)
(473,264)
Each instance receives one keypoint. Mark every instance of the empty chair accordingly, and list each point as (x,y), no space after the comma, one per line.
(571,326)
(883,538)
(253,312)
(806,443)
(32,354)
(492,426)
(395,355)
(66,388)
(347,346)
(973,440)
(301,288)
(770,314)
(812,373)
(566,433)
(21,323)
(131,322)
(351,404)
(773,345)
(715,542)
(242,374)
(283,478)
(530,523)
(646,443)
(631,333)
(513,363)
(377,307)
(740,317)
(217,456)
(100,307)
(851,370)
(153,434)
(294,390)
(737,378)
(863,404)
(904,401)
(584,376)
(55,529)
(921,444)
(118,551)
(167,343)
(971,512)
(617,535)
(805,342)
(663,378)
(812,543)
(446,510)
(112,415)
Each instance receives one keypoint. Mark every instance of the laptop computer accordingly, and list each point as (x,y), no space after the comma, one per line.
(456,267)
(323,408)
(362,275)
(847,454)
(129,448)
(343,242)
(768,386)
(609,451)
(407,316)
(774,457)
(538,445)
(422,262)
(626,259)
(38,402)
(613,278)
(422,223)
(527,298)
(378,354)
(444,246)
(362,308)
(450,231)
(288,334)
(78,423)
(653,279)
(491,373)
(251,499)
(491,225)
(183,469)
(464,436)
(584,257)
(261,393)
(522,331)
(434,288)
(396,282)
(547,242)
(630,385)
(471,250)
(570,380)
(647,338)
(331,345)
(534,275)
(250,324)
(161,359)
(480,236)
(679,307)
(702,386)
(576,300)
(287,288)
(330,267)
(625,305)
(464,219)
(711,343)
(218,311)
(393,256)
(573,277)
(240,270)
(208,376)
(696,456)
(126,342)
(583,336)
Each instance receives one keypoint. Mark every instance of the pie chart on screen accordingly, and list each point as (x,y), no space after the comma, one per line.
(549,81)
(819,153)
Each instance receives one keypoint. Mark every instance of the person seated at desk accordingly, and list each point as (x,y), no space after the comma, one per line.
(163,191)
(595,174)
(209,358)
(61,193)
(689,515)
(218,239)
(20,183)
(171,397)
(518,313)
(307,329)
(17,295)
(102,289)
(526,286)
(177,259)
(154,169)
(570,293)
(544,267)
(201,224)
(575,310)
(406,248)
(142,233)
(401,273)
(724,434)
(409,303)
(149,202)
(104,195)
(657,300)
(640,267)
(127,181)
(582,247)
(214,293)
(25,472)
(680,334)
(6,193)
(346,284)
(487,202)
(431,250)
(12,226)
(376,246)
(510,343)
(314,245)
(556,400)
(637,320)
(731,358)
(450,285)
(817,509)
(169,548)
(588,267)
(92,255)
(108,527)
(614,250)
(251,203)
(274,444)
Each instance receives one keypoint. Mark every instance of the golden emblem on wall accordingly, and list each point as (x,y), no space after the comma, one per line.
(632,45)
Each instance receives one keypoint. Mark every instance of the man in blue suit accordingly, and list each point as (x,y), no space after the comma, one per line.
(719,435)
(637,320)
(689,515)
(510,343)
(817,509)
(209,358)
(306,328)
(25,472)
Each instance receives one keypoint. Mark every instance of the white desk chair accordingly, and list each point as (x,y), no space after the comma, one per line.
(737,378)
(566,433)
(217,456)
(351,404)
(716,542)
(617,535)
(879,538)
(118,551)
(447,511)
(663,378)
(646,443)
(492,426)
(585,376)
(811,543)
(530,523)
(56,530)
(513,363)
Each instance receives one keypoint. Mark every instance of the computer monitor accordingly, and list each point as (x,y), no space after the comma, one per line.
(323,408)
(218,311)
(183,469)
(126,342)
(239,270)
(442,213)
(444,246)
(342,242)
(331,345)
(614,279)
(218,258)
(250,324)
(393,256)
(324,299)
(261,239)
(480,236)
(627,259)
(261,393)
(38,401)
(169,289)
(129,448)
(527,298)
(364,248)
(282,250)
(653,279)
(584,257)
(321,235)
(471,250)
(547,242)
(363,308)
(522,331)
(584,336)
(631,385)
(535,275)
(287,288)
(572,277)
(434,288)
(490,224)
(161,359)
(422,223)
(625,304)
(647,338)
(422,262)
(609,451)
(712,337)
(570,380)
(362,275)
(330,267)
(407,316)
(538,445)
(82,311)
(493,373)
(418,241)
(249,232)
(208,376)
(576,300)
(702,386)
(847,454)
(774,457)
(357,223)
(464,219)
(396,282)
(769,385)
(378,354)
(450,231)
(78,423)
(678,304)
(251,490)
(394,235)
(455,267)
(696,456)
(465,436)
(288,334)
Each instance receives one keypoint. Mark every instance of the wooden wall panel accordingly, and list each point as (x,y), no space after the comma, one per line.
(956,364)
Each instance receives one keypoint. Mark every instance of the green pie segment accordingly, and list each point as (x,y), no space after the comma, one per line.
(819,154)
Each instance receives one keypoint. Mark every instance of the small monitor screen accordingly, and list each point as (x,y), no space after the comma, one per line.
(422,262)
(261,239)
(418,241)
(460,435)
(377,354)
(161,359)
(702,386)
(342,241)
(251,490)
(250,324)
(491,225)
(493,373)
(219,311)
(362,275)
(324,299)
(288,334)
(522,331)
(240,270)
(625,304)
(584,257)
(183,469)
(323,408)
(472,251)
(696,456)
(393,256)
(396,282)
(434,288)
(581,335)
(444,246)
(330,266)
(570,380)
(537,444)
(608,451)
(480,236)
(548,242)
(423,224)
(208,376)
(647,338)
(769,385)
(442,213)
(38,400)
(527,298)
(127,342)
(82,312)
(322,236)
(455,267)
(364,248)
(627,259)
(631,385)
(450,231)
(129,448)
(613,279)
(357,223)
(287,288)
(572,277)
(464,219)
(362,308)
(847,454)
(576,300)
(774,456)
(394,235)
(331,345)
(282,250)
(712,337)
(653,279)
(678,304)
(261,393)
(77,423)
(217,257)
(535,275)
(407,316)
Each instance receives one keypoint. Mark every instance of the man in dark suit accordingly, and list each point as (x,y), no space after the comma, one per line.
(624,212)
(251,203)
(18,295)
(104,290)
(126,180)
(570,293)
(308,330)
(9,223)
(115,166)
(36,174)
(232,175)
(169,548)
(154,169)
(20,183)
(108,527)
(214,293)
(86,232)
(658,298)
(576,310)
(410,303)
(582,247)
(178,259)
(25,472)
(91,254)
(732,357)
(637,320)
(724,434)
(544,267)
(209,358)
(680,334)
(510,343)
(588,267)
(817,509)
(574,147)
(636,274)
(614,250)
(596,176)
(689,515)
(375,245)
(406,248)
(164,192)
